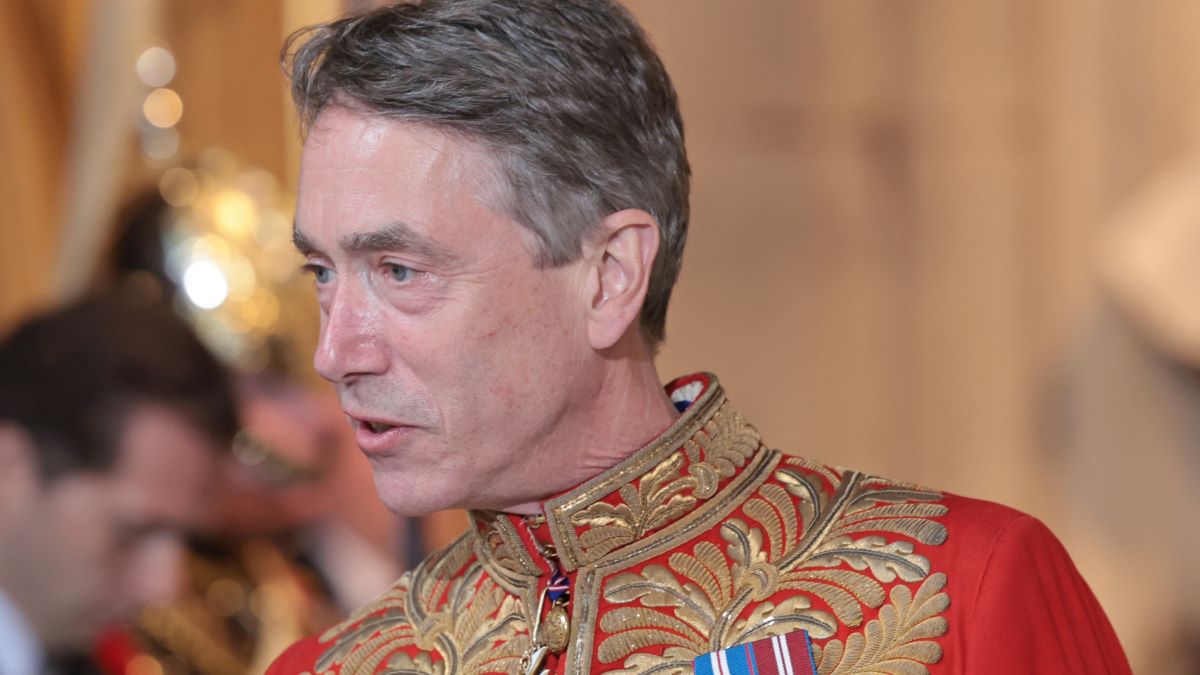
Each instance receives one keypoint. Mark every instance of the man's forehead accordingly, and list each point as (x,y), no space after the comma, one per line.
(380,150)
(340,123)
(349,135)
(400,186)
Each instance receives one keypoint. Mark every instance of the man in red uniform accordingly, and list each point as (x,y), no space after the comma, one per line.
(493,205)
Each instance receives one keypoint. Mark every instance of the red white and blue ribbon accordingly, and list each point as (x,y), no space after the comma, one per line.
(789,654)
(559,583)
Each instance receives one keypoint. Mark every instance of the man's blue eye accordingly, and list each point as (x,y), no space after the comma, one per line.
(320,274)
(399,273)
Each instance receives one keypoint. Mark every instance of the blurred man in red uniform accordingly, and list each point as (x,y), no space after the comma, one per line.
(493,205)
(111,418)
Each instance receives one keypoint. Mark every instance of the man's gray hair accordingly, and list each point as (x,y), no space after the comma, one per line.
(567,95)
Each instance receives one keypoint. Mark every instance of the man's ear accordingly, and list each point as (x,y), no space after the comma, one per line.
(20,479)
(623,257)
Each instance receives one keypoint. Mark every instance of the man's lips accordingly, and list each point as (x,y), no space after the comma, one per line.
(376,436)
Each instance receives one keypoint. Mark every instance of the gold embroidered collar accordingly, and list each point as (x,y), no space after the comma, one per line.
(660,484)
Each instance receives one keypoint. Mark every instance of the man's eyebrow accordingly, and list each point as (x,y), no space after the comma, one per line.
(301,242)
(396,236)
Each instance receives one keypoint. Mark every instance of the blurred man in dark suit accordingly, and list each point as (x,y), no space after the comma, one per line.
(112,415)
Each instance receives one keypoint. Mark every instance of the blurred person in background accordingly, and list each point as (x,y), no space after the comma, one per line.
(112,417)
(493,204)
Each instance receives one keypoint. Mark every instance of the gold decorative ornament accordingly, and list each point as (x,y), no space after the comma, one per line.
(555,630)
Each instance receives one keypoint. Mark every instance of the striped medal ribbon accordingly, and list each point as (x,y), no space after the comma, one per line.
(789,654)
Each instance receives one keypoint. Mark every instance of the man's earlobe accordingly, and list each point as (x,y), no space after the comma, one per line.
(624,256)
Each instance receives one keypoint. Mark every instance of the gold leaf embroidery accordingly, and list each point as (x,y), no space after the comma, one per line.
(356,631)
(871,506)
(709,567)
(900,641)
(912,520)
(662,495)
(505,560)
(638,638)
(750,570)
(656,587)
(704,608)
(421,664)
(774,509)
(458,618)
(723,446)
(657,500)
(674,661)
(845,592)
(886,559)
(794,613)
(828,544)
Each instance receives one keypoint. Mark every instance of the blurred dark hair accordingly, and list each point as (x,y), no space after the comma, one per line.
(567,96)
(71,378)
(138,251)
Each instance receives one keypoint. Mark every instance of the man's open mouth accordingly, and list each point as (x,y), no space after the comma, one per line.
(378,427)
(374,426)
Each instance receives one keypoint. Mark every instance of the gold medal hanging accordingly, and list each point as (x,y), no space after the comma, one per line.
(555,629)
(535,656)
(551,634)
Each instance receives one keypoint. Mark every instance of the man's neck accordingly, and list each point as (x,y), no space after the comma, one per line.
(629,410)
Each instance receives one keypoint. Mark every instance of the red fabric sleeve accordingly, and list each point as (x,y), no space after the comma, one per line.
(1034,613)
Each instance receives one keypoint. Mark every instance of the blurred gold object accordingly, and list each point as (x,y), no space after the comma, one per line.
(228,246)
(243,604)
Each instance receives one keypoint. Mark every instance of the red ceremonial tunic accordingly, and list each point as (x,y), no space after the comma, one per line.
(706,539)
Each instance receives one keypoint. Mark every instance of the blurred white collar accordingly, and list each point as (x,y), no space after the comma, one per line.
(20,651)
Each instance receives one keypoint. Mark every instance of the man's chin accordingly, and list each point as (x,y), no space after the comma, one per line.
(404,498)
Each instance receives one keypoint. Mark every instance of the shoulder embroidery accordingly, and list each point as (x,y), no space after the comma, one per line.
(811,550)
(447,617)
(900,641)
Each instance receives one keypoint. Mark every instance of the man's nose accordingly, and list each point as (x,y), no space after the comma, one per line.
(350,342)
